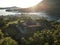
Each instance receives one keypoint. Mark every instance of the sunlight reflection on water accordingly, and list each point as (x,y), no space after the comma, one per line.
(4,13)
(35,15)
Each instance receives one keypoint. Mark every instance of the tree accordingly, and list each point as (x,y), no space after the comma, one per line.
(9,41)
(1,34)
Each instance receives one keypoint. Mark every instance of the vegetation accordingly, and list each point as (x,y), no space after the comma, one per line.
(27,31)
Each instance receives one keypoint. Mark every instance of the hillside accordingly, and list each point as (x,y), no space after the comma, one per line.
(26,31)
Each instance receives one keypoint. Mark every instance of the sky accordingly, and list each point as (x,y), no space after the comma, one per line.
(19,3)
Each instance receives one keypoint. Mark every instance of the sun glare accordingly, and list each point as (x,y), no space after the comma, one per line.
(19,3)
